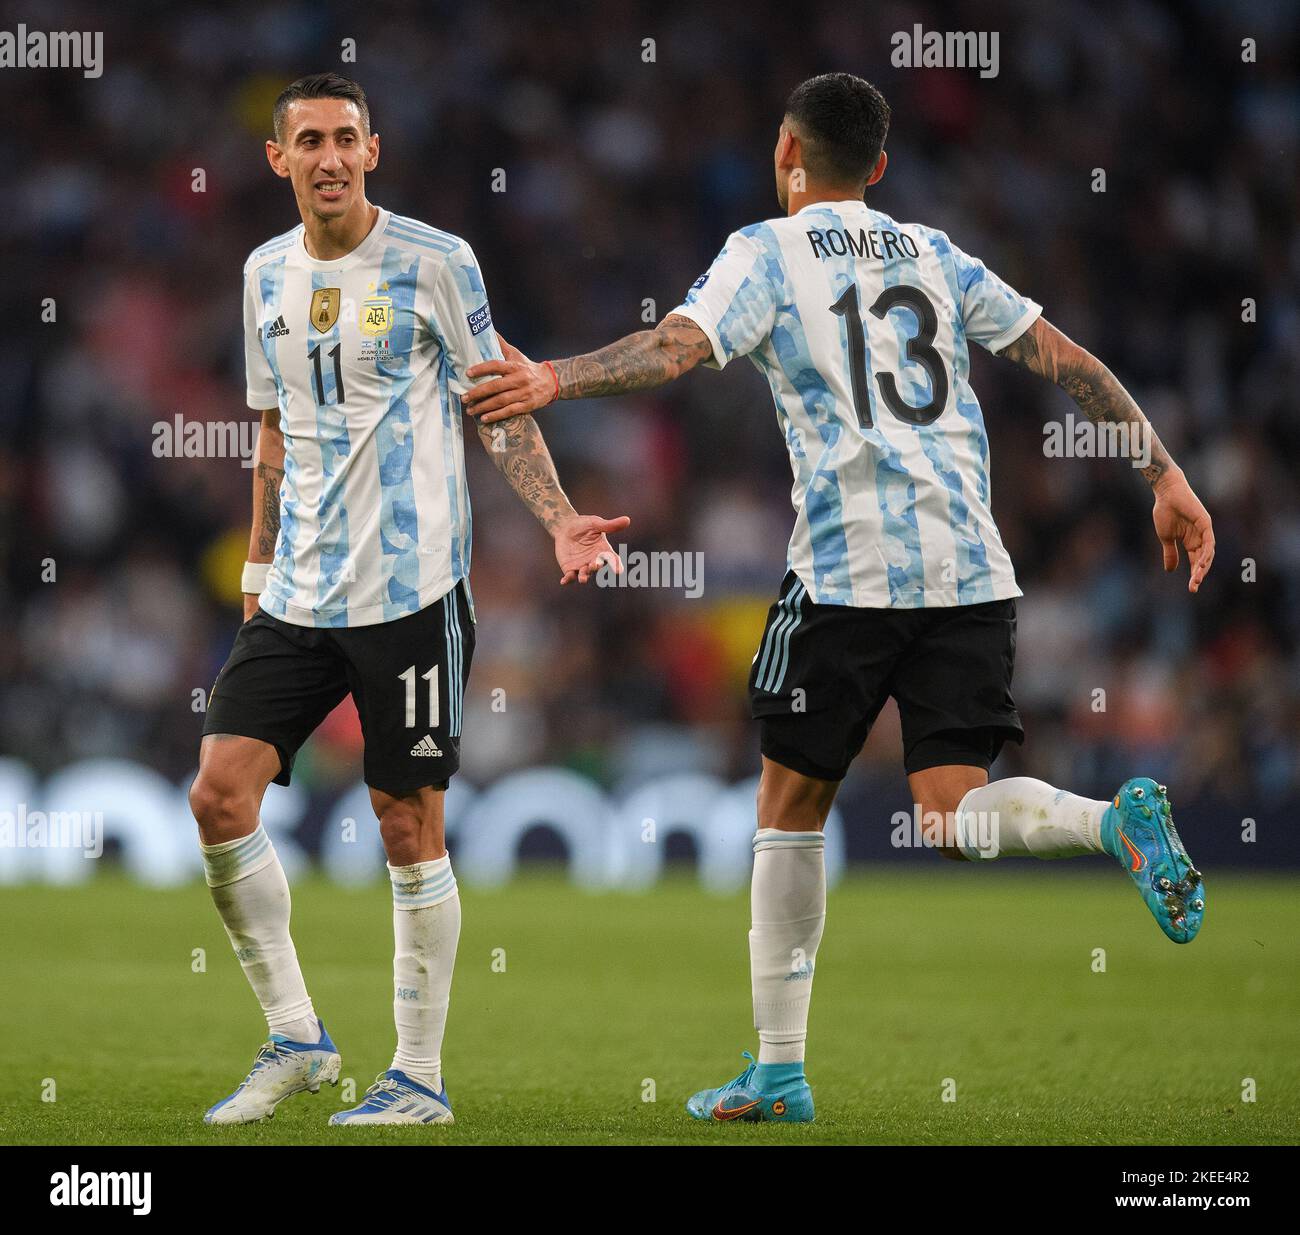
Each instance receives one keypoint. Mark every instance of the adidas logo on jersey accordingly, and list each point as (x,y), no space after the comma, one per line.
(426,746)
(277,328)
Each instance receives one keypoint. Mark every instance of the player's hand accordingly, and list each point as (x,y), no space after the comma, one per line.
(1179,516)
(250,605)
(519,386)
(581,547)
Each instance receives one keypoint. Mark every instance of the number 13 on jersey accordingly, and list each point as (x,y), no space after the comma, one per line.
(920,350)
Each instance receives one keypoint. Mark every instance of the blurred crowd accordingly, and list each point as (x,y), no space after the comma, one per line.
(626,164)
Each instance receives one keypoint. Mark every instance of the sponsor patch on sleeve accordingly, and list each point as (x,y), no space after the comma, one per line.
(479,320)
(700,282)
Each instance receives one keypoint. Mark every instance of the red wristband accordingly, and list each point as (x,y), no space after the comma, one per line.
(555,375)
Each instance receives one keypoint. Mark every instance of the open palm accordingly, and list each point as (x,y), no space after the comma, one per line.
(582,546)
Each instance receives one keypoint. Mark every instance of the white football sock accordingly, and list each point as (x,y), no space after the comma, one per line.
(1021,816)
(252,896)
(426,929)
(788,905)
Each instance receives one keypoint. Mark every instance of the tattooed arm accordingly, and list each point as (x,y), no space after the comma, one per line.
(640,361)
(1178,514)
(1044,350)
(268,472)
(521,456)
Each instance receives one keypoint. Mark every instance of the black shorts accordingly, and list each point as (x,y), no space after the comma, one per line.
(406,676)
(823,672)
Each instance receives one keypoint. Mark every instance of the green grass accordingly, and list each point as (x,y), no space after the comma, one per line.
(982,976)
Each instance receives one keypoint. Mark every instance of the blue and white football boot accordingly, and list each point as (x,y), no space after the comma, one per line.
(281,1069)
(762,1093)
(396,1099)
(1137,830)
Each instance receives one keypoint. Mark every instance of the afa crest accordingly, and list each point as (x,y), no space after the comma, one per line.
(325,305)
(377,314)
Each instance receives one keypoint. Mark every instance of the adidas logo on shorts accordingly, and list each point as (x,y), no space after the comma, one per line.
(426,746)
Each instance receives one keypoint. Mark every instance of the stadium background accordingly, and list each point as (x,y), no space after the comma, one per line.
(622,180)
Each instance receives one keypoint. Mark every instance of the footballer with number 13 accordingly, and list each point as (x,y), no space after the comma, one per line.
(898,582)
(360,326)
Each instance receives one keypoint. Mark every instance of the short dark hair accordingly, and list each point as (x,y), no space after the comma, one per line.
(320,86)
(842,122)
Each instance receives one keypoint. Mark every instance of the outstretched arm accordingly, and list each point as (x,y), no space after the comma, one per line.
(640,361)
(521,456)
(1178,514)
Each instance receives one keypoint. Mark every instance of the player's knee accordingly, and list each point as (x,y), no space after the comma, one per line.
(401,827)
(219,808)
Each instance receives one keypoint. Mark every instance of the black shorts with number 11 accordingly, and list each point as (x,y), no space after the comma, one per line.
(407,678)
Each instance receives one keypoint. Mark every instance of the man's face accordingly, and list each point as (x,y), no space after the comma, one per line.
(325,155)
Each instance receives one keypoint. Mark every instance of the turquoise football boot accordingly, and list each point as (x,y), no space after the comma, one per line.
(786,1099)
(1137,830)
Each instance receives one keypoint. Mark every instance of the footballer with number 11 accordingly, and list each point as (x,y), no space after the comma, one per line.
(360,326)
(898,583)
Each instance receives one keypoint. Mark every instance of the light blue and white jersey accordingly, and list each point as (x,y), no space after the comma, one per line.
(365,356)
(860,325)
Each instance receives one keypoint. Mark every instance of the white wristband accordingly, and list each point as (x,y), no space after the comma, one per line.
(253,581)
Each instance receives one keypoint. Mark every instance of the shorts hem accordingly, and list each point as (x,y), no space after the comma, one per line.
(236,730)
(404,788)
(790,758)
(976,747)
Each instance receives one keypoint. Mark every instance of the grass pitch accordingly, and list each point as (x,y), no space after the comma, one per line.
(984,978)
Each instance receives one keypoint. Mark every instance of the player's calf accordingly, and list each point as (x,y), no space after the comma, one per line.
(938,791)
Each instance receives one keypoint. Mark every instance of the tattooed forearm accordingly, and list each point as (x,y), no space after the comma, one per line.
(1044,350)
(268,474)
(517,448)
(640,361)
(268,485)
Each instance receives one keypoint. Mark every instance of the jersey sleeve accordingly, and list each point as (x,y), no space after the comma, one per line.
(734,301)
(263,393)
(461,319)
(993,314)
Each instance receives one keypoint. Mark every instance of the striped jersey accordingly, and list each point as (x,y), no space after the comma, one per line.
(861,326)
(365,357)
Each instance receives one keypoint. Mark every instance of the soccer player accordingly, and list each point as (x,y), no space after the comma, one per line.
(898,582)
(360,326)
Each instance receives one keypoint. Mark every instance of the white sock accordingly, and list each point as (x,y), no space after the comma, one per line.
(252,896)
(426,929)
(788,905)
(1021,816)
